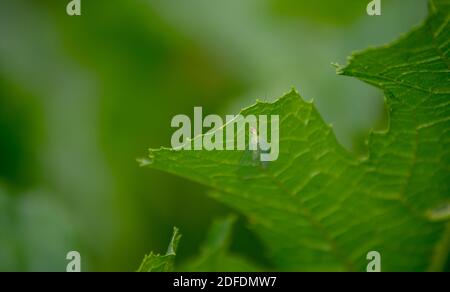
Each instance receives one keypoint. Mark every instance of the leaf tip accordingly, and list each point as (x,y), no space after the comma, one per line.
(173,245)
(338,67)
(143,161)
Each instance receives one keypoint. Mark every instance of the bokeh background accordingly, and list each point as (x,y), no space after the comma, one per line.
(82,97)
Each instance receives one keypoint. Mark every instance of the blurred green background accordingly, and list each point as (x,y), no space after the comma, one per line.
(82,97)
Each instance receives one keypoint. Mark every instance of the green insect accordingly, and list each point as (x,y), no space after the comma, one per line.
(250,161)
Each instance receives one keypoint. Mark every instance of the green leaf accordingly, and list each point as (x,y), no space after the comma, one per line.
(162,263)
(319,207)
(215,255)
